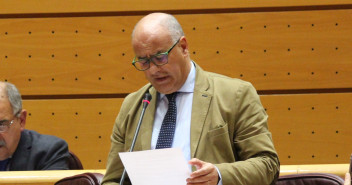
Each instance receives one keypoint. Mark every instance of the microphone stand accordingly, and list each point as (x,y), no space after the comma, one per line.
(146,101)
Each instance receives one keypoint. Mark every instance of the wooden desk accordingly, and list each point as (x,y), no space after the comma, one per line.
(337,169)
(50,177)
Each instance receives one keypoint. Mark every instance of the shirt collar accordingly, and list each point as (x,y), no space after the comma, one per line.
(188,86)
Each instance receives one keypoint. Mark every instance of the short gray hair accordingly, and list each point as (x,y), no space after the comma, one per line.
(14,97)
(174,27)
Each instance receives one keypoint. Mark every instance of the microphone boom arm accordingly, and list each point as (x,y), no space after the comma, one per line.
(146,101)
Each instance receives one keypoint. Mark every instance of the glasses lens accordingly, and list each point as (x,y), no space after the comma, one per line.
(142,64)
(4,126)
(160,59)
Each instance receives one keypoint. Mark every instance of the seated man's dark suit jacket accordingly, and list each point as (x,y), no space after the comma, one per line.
(39,152)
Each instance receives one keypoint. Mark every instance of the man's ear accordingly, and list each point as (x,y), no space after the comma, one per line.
(184,46)
(23,117)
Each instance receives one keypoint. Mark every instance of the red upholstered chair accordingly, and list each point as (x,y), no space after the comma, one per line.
(82,179)
(73,162)
(310,179)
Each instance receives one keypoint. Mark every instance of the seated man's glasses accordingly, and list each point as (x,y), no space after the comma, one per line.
(5,125)
(143,63)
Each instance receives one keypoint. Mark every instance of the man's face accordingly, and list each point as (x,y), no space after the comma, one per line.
(170,77)
(9,140)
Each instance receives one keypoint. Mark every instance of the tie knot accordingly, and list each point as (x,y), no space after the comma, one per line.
(171,97)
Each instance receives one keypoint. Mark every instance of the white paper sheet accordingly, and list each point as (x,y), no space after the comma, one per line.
(156,167)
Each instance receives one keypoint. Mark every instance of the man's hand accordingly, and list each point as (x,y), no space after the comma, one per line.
(206,173)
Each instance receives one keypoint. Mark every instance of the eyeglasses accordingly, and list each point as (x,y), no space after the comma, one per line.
(5,125)
(159,59)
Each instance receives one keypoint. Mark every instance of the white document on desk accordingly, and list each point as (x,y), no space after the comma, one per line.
(156,167)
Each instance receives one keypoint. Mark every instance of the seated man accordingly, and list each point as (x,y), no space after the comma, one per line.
(22,149)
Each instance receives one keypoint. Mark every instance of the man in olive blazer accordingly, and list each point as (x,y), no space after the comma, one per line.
(229,136)
(228,131)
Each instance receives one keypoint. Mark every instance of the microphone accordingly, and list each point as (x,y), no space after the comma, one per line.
(146,101)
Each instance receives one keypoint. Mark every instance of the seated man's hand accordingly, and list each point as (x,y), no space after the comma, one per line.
(206,173)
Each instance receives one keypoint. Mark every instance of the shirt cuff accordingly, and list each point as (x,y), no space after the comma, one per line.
(220,179)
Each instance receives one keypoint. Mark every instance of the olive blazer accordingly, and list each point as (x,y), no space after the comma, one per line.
(228,128)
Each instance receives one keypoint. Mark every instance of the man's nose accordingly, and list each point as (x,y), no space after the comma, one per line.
(153,68)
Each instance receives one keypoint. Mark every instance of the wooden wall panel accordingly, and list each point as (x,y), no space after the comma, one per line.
(86,125)
(310,128)
(280,50)
(83,6)
(81,50)
(92,55)
(306,129)
(68,56)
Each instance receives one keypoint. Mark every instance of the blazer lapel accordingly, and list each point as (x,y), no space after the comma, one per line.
(148,121)
(200,108)
(21,156)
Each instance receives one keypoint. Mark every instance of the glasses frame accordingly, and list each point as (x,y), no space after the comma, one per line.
(11,122)
(149,59)
(8,125)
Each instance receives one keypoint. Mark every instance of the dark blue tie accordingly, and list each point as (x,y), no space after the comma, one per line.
(3,164)
(167,130)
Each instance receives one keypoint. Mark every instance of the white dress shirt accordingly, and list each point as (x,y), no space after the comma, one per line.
(184,98)
(182,136)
